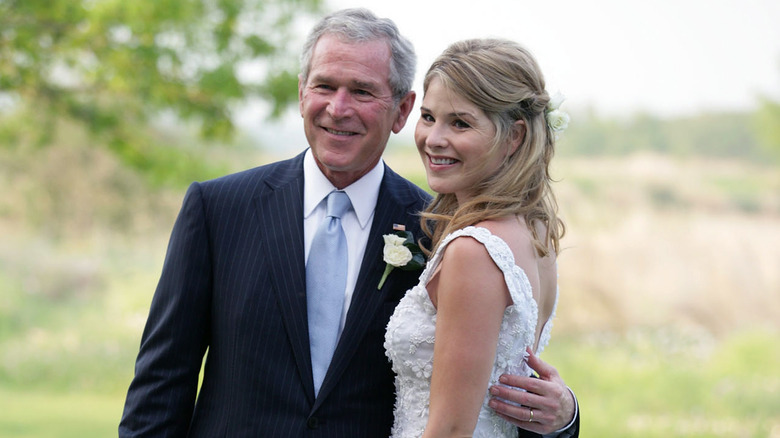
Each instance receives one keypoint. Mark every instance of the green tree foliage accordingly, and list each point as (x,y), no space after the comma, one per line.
(114,66)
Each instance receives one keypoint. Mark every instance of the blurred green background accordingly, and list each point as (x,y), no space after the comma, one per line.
(668,321)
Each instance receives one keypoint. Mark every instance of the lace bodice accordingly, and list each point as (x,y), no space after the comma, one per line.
(410,336)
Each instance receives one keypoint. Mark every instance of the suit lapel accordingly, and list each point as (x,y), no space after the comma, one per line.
(280,208)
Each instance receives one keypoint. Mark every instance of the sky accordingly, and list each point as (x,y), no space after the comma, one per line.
(617,57)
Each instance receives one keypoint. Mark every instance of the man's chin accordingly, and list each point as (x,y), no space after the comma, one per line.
(334,160)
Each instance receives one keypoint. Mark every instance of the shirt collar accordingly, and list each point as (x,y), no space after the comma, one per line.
(363,193)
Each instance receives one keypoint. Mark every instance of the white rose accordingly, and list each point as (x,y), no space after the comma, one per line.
(397,255)
(393,240)
(558,120)
(555,101)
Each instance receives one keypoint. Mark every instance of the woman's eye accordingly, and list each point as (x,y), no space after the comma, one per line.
(461,124)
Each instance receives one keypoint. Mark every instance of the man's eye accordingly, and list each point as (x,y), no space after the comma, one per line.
(427,118)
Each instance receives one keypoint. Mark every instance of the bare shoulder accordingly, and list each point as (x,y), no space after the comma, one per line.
(469,274)
(540,271)
(466,256)
(515,232)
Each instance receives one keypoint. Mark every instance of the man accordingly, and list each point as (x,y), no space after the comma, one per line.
(234,282)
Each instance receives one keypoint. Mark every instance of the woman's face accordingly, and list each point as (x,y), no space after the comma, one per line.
(453,137)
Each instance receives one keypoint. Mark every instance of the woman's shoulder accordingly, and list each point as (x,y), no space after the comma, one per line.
(514,232)
(511,229)
(481,242)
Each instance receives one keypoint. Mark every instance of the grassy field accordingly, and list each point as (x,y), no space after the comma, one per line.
(666,384)
(34,414)
(667,323)
(628,386)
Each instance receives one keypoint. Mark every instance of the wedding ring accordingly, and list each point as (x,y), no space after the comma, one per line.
(531,418)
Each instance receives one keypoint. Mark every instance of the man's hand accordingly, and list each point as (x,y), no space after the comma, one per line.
(547,403)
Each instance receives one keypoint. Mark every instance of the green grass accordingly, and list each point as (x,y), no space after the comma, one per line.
(651,384)
(58,415)
(646,384)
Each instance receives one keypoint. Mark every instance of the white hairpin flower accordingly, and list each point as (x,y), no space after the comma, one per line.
(557,120)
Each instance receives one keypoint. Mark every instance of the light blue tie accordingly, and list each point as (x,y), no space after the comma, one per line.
(326,280)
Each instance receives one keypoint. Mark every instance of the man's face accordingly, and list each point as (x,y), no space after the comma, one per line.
(348,108)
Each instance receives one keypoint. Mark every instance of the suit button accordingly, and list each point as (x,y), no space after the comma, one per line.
(312,423)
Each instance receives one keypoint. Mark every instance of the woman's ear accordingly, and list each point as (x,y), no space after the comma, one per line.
(517,137)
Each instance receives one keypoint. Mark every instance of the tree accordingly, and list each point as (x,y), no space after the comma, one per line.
(115,65)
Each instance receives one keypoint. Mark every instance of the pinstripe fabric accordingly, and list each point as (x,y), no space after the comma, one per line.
(233,282)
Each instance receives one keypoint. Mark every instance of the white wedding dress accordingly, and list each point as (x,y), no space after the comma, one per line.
(410,336)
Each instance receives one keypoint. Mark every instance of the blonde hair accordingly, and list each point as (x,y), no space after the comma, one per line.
(503,79)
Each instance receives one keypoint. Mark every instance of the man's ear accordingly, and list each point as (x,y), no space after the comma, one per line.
(300,94)
(404,108)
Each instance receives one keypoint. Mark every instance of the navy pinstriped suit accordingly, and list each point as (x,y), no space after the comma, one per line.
(233,281)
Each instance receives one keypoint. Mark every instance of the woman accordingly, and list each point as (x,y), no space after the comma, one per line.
(487,296)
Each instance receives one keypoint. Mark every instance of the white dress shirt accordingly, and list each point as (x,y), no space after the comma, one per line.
(363,195)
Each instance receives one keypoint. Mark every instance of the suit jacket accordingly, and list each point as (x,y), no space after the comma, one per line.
(233,288)
(233,284)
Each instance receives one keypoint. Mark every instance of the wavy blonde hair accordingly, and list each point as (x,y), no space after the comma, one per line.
(503,79)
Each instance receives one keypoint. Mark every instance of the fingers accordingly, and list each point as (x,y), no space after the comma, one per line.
(548,397)
(525,391)
(518,405)
(533,426)
(552,403)
(542,368)
(523,417)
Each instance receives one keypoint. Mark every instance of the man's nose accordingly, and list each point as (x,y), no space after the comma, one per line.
(340,105)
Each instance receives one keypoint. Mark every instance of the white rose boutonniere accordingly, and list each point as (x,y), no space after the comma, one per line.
(401,252)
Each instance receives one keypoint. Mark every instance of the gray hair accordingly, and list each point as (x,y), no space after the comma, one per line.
(359,25)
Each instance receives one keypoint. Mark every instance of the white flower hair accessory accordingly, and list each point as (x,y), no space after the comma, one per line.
(557,120)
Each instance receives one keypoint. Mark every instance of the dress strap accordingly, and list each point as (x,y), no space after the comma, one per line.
(516,279)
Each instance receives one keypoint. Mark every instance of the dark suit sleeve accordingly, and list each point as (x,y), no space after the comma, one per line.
(162,395)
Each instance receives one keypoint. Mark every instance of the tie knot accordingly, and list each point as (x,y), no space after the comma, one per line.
(338,203)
